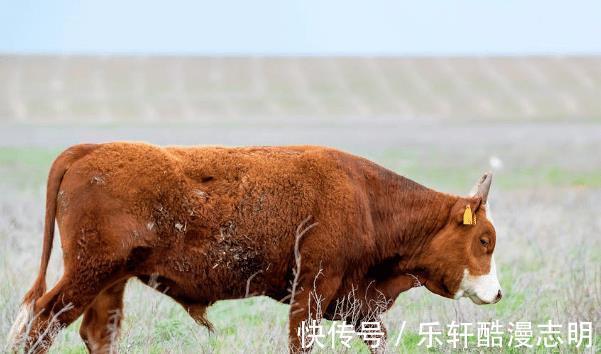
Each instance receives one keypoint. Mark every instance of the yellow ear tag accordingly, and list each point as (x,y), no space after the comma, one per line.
(467,216)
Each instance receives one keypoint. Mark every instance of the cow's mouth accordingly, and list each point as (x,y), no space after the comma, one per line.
(478,301)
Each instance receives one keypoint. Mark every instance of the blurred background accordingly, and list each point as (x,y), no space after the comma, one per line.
(438,92)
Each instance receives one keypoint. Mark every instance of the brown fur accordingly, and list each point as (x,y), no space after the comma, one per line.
(211,223)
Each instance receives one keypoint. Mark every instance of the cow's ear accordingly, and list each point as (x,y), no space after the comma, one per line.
(482,187)
(465,210)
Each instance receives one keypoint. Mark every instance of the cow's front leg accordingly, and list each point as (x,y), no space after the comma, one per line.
(309,302)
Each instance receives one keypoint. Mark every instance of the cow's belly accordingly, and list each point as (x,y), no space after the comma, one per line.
(218,268)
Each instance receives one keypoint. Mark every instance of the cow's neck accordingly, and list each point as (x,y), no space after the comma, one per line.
(406,216)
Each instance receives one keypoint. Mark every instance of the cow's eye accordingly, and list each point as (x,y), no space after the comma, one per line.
(484,241)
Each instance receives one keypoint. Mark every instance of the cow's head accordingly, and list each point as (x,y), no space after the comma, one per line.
(459,260)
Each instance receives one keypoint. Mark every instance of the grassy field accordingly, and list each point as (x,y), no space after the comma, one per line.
(545,197)
(114,90)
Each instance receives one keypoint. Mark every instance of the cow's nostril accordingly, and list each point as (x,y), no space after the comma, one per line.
(499,295)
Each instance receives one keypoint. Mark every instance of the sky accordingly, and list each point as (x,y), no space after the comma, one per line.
(301,27)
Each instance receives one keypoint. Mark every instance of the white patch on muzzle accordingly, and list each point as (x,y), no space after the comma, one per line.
(481,289)
(19,327)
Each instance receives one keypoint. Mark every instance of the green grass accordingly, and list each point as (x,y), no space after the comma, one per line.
(441,170)
(25,168)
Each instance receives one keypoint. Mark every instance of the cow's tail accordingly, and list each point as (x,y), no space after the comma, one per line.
(60,165)
(55,177)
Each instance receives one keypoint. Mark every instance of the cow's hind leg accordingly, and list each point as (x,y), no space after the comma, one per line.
(102,319)
(65,303)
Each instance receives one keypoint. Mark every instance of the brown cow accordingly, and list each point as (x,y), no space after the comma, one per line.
(306,223)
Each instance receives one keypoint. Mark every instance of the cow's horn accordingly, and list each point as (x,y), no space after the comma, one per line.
(484,186)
